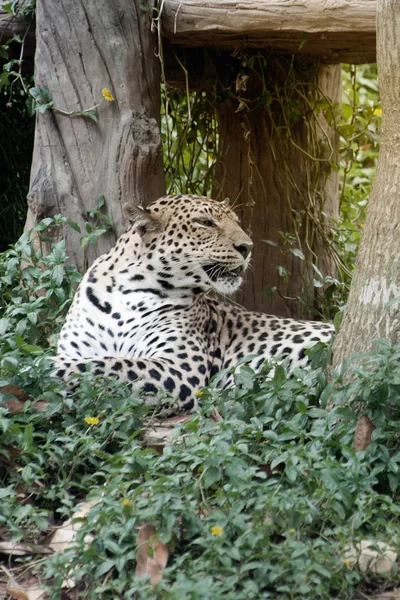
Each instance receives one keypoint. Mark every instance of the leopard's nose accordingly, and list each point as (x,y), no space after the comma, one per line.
(244,249)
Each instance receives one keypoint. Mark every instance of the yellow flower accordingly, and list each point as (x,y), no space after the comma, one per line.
(199,393)
(92,420)
(216,530)
(107,95)
(347,563)
(378,112)
(126,502)
(266,442)
(292,531)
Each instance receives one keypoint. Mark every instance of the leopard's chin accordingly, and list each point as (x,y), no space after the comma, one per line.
(227,287)
(224,280)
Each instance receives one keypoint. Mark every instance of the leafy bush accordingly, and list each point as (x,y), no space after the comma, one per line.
(260,504)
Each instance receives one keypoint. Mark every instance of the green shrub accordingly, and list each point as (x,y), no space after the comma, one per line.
(258,505)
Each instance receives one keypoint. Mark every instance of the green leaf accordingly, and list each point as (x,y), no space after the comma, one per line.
(104,567)
(211,475)
(303,39)
(57,275)
(9,8)
(337,320)
(100,202)
(271,243)
(88,114)
(283,272)
(316,413)
(112,546)
(43,107)
(298,252)
(28,436)
(74,226)
(44,224)
(42,97)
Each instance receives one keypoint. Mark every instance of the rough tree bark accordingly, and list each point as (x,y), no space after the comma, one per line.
(336,30)
(83,47)
(274,182)
(376,280)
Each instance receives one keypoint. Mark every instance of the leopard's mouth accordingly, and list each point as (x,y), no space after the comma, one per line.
(216,271)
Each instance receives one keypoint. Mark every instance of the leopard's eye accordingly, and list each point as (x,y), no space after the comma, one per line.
(205,222)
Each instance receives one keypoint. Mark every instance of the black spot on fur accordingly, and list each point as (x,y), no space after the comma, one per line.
(132,376)
(169,384)
(184,392)
(154,374)
(149,388)
(106,307)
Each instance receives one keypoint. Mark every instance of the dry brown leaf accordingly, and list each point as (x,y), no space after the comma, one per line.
(64,536)
(390,595)
(158,437)
(363,433)
(241,82)
(21,397)
(160,433)
(367,559)
(15,391)
(15,549)
(23,592)
(152,555)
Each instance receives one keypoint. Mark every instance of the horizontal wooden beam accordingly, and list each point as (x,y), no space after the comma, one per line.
(337,30)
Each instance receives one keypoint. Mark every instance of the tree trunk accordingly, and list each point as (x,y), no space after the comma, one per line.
(376,281)
(275,164)
(83,47)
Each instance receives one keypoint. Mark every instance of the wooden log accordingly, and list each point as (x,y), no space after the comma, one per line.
(337,30)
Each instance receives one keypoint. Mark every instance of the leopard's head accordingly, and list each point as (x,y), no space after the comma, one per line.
(192,241)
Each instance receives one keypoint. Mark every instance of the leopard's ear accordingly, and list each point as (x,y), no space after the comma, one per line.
(141,219)
(226,202)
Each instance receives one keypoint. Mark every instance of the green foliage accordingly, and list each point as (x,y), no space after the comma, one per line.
(189,134)
(260,504)
(98,224)
(42,98)
(35,288)
(359,130)
(16,128)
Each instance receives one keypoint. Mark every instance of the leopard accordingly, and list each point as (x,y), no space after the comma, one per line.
(155,313)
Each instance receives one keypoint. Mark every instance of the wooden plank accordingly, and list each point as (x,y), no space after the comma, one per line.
(338,30)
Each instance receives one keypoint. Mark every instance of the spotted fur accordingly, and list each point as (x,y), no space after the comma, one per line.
(142,312)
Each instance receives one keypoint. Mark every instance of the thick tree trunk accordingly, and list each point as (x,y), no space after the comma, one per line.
(376,282)
(276,169)
(83,47)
